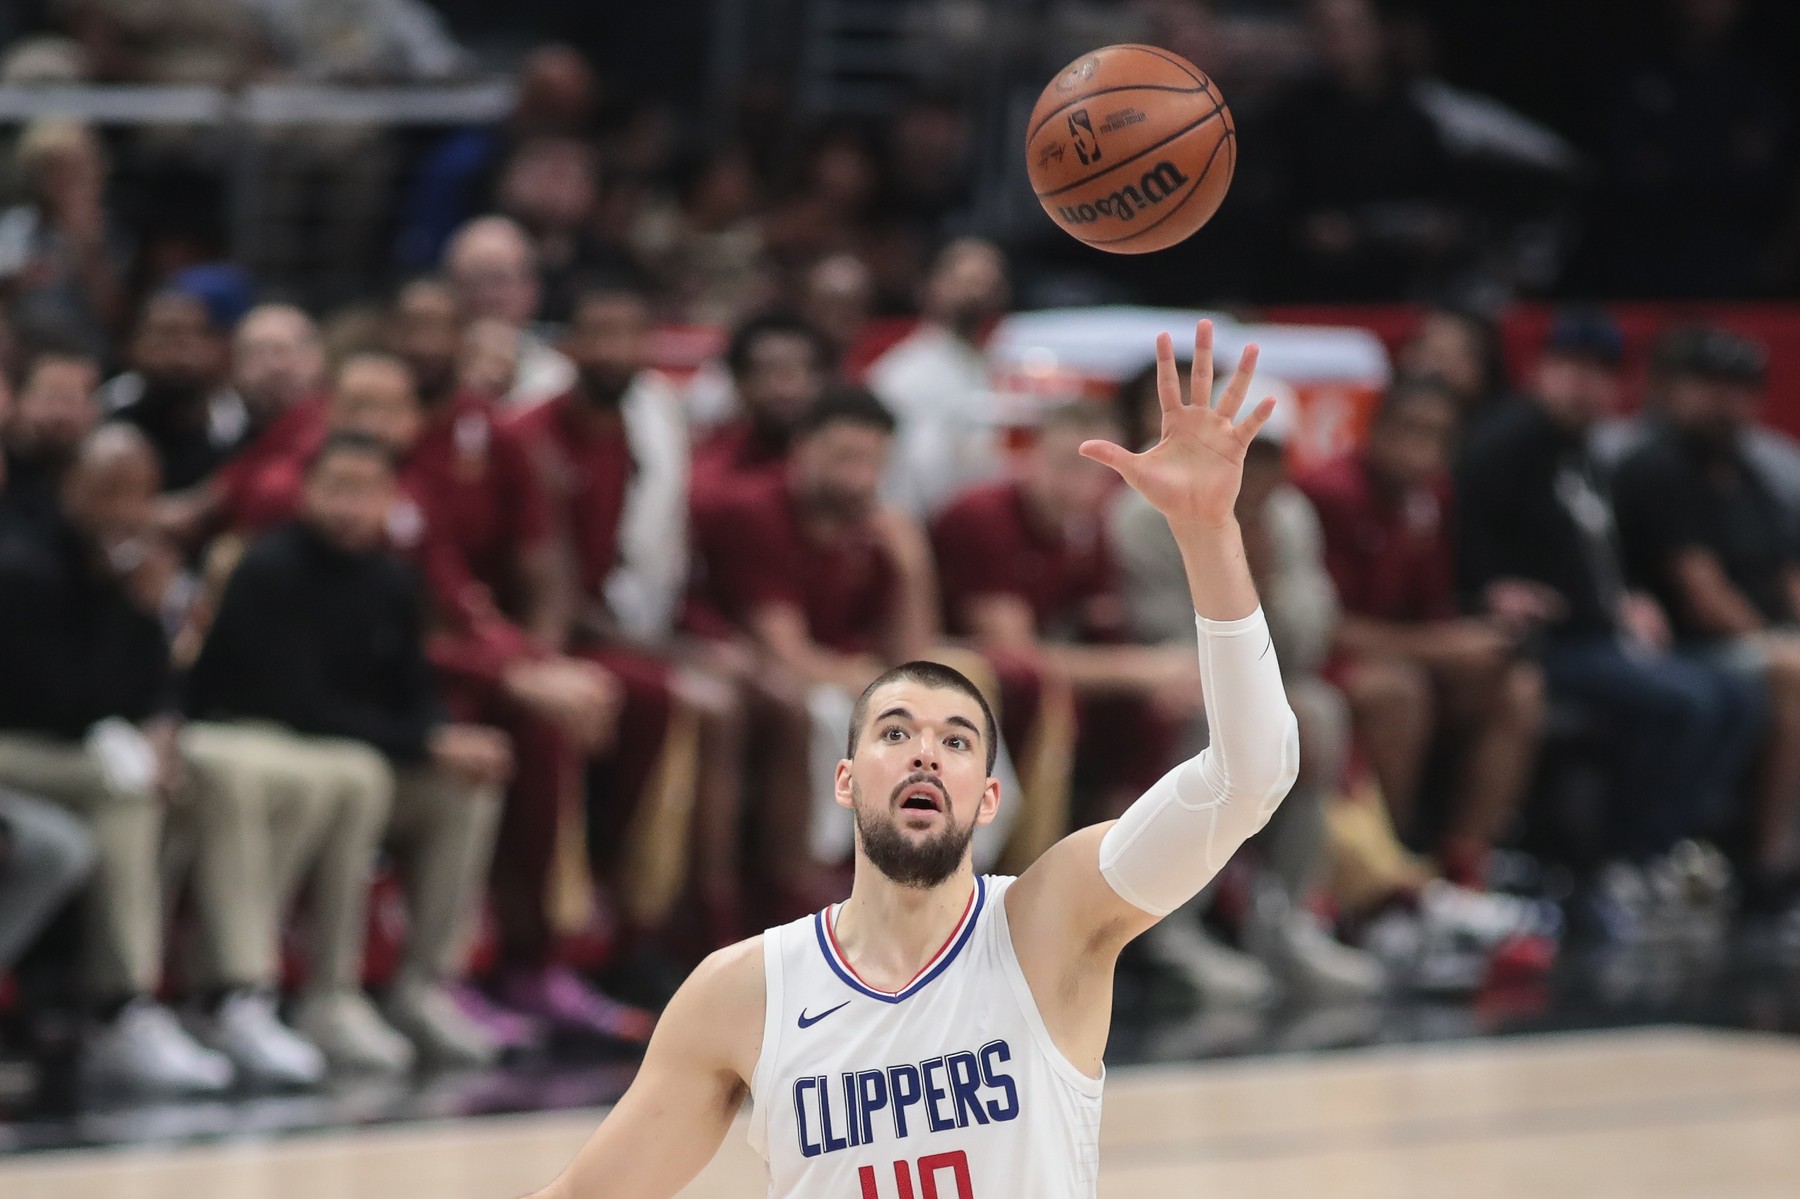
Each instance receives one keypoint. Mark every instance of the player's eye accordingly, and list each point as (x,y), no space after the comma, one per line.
(957,741)
(893,732)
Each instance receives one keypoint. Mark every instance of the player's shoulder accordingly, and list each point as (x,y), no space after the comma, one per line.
(717,1015)
(726,982)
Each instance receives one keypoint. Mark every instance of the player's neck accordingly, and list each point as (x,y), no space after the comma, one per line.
(889,932)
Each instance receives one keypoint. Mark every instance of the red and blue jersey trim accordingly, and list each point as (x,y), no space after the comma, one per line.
(824,922)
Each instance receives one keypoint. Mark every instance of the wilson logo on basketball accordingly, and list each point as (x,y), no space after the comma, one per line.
(1158,184)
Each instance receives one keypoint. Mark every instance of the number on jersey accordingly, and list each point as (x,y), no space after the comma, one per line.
(931,1167)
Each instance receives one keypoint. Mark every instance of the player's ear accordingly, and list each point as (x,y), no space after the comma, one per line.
(990,803)
(840,789)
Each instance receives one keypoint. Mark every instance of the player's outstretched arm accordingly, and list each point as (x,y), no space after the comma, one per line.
(692,1082)
(1090,894)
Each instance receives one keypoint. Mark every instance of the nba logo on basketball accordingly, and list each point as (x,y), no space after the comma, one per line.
(1081,130)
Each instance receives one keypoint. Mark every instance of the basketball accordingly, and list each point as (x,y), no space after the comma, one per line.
(1130,149)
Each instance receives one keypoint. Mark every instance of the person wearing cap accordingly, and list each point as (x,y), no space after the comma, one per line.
(1539,552)
(1706,534)
(176,390)
(1411,664)
(1287,946)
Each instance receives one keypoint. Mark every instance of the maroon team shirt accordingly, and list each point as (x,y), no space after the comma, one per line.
(587,469)
(1390,557)
(988,543)
(259,486)
(755,551)
(731,453)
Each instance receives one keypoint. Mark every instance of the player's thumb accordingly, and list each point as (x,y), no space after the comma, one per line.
(1106,453)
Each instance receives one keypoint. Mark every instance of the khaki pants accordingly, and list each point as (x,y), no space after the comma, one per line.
(349,800)
(124,940)
(269,813)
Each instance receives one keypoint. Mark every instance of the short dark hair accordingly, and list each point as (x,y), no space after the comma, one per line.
(773,324)
(349,441)
(930,674)
(847,404)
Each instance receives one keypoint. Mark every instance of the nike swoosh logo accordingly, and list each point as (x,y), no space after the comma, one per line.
(807,1021)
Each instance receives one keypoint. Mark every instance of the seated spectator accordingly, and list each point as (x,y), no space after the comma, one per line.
(779,367)
(482,528)
(1028,575)
(1411,667)
(278,374)
(493,269)
(85,723)
(837,297)
(1705,533)
(61,262)
(1460,348)
(936,381)
(317,657)
(830,588)
(1731,362)
(1285,550)
(52,415)
(45,856)
(1538,551)
(614,454)
(175,391)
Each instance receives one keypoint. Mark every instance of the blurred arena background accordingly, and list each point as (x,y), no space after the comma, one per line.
(461,461)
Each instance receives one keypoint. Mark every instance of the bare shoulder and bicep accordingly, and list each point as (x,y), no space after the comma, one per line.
(694,1078)
(1068,925)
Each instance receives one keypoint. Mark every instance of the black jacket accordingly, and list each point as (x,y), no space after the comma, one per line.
(74,648)
(1532,506)
(1676,494)
(325,642)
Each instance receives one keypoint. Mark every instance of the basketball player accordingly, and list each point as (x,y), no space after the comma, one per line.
(939,1035)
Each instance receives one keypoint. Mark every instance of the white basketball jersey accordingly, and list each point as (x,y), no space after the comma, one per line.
(949,1088)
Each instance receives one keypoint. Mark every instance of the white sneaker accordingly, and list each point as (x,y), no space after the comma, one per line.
(353,1037)
(247,1030)
(439,1029)
(1222,975)
(1295,947)
(144,1048)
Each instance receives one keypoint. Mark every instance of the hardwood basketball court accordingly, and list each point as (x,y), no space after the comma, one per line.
(1644,1114)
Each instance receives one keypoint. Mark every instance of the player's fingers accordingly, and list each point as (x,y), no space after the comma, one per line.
(1168,378)
(1251,425)
(1233,397)
(1107,454)
(1202,370)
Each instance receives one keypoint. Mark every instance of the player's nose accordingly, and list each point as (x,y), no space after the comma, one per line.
(925,762)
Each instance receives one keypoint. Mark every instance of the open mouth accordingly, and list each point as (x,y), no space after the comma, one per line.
(921,797)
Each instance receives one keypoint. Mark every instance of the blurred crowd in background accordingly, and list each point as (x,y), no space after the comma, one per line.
(400,667)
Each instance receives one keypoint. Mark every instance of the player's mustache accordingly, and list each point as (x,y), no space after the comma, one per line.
(913,780)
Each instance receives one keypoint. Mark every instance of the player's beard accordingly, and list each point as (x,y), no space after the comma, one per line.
(920,865)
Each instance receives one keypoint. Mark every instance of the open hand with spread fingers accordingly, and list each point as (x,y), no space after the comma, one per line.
(1191,475)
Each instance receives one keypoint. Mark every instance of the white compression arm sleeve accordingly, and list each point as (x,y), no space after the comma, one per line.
(1170,843)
